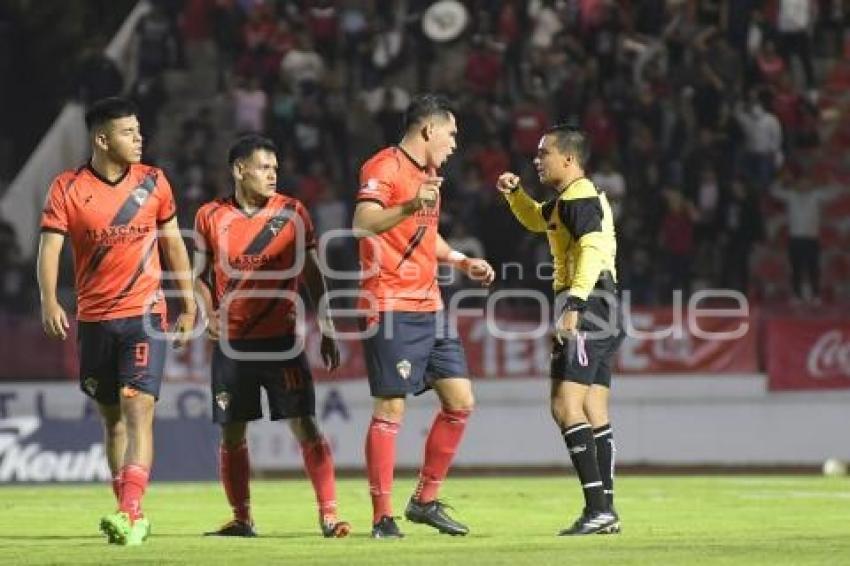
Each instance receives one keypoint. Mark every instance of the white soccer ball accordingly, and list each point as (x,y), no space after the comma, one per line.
(834,468)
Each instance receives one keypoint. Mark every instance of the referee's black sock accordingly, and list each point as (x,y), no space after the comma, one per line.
(605,451)
(582,449)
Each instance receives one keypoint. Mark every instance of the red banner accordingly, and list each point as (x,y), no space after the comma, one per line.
(808,353)
(658,341)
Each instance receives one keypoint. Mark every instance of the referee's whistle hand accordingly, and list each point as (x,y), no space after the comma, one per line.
(507,182)
(568,323)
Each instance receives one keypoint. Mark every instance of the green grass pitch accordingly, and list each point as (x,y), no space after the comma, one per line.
(740,520)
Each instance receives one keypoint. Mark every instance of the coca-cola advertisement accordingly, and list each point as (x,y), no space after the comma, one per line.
(808,353)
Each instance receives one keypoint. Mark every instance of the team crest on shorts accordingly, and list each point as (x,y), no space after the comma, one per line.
(90,385)
(403,368)
(223,400)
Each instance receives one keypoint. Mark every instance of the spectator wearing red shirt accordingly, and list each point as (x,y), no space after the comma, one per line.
(677,241)
(528,124)
(491,160)
(483,68)
(770,65)
(600,128)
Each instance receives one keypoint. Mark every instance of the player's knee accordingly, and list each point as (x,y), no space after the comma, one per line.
(461,402)
(233,434)
(559,414)
(111,419)
(389,409)
(565,413)
(138,411)
(115,428)
(597,416)
(305,428)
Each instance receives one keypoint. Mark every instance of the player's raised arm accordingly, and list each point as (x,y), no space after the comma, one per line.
(371,218)
(53,316)
(475,268)
(528,211)
(177,259)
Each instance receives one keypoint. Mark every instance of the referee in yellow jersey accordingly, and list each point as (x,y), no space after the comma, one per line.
(578,223)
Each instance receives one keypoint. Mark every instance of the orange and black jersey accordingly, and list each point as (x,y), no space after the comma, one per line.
(113,233)
(399,265)
(254,262)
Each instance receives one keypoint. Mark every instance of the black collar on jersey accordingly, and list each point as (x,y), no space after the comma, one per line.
(103,179)
(410,157)
(235,203)
(549,205)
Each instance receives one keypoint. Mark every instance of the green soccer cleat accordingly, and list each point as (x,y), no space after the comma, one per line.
(120,530)
(139,532)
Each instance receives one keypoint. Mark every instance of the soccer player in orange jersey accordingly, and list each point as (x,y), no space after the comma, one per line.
(118,213)
(409,347)
(256,246)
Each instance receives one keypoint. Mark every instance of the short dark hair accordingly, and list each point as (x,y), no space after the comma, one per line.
(107,109)
(571,139)
(424,106)
(246,145)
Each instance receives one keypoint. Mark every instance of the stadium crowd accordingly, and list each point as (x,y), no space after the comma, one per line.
(698,111)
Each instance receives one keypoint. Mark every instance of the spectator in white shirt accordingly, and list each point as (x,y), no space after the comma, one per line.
(795,22)
(302,66)
(613,183)
(803,203)
(249,104)
(763,140)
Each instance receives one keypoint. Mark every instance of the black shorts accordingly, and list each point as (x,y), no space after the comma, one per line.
(236,384)
(589,357)
(409,351)
(121,353)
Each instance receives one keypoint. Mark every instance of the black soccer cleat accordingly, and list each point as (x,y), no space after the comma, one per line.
(615,528)
(434,514)
(234,528)
(592,523)
(386,528)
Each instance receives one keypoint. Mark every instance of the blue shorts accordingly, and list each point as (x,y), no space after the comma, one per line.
(236,384)
(410,351)
(121,353)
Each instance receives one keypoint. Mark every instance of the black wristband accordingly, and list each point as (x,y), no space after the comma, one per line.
(574,303)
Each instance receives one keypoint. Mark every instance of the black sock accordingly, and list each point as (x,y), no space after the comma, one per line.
(605,451)
(582,449)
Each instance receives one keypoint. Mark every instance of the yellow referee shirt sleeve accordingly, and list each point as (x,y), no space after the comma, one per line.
(589,266)
(581,213)
(527,210)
